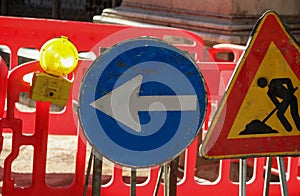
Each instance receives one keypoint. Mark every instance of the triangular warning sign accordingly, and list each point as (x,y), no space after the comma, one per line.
(259,113)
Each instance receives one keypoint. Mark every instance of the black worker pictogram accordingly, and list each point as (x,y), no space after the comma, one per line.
(281,92)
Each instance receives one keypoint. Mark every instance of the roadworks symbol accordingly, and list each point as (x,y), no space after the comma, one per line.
(281,92)
(271,105)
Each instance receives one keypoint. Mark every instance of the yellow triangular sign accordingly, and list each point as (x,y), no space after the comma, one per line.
(259,113)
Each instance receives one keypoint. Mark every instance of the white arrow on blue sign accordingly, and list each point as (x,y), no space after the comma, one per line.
(142,102)
(124,103)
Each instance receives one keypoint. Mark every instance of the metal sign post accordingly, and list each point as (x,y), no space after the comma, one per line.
(133,182)
(88,172)
(267,176)
(95,160)
(158,181)
(170,178)
(242,177)
(282,176)
(166,179)
(173,176)
(97,174)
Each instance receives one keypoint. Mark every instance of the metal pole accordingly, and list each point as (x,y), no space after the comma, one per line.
(88,172)
(166,179)
(133,182)
(97,174)
(282,176)
(160,173)
(173,176)
(267,176)
(242,176)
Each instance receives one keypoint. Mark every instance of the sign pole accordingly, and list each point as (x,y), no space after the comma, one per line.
(133,182)
(173,176)
(282,176)
(166,179)
(160,173)
(97,174)
(242,176)
(88,172)
(267,176)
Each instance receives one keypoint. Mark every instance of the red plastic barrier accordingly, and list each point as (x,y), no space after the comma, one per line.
(236,50)
(3,86)
(89,37)
(3,83)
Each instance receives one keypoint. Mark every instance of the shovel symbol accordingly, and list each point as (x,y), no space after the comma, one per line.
(260,127)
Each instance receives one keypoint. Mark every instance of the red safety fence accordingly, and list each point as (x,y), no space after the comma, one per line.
(34,127)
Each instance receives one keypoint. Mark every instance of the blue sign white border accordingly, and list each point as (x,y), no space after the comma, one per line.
(93,129)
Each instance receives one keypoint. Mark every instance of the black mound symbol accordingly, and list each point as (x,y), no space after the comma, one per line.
(279,89)
(257,127)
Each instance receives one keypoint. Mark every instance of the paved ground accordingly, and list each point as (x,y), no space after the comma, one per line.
(60,161)
(61,164)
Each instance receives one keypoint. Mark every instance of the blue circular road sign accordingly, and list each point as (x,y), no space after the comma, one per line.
(142,102)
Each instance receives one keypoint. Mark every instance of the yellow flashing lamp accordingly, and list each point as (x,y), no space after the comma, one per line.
(58,57)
